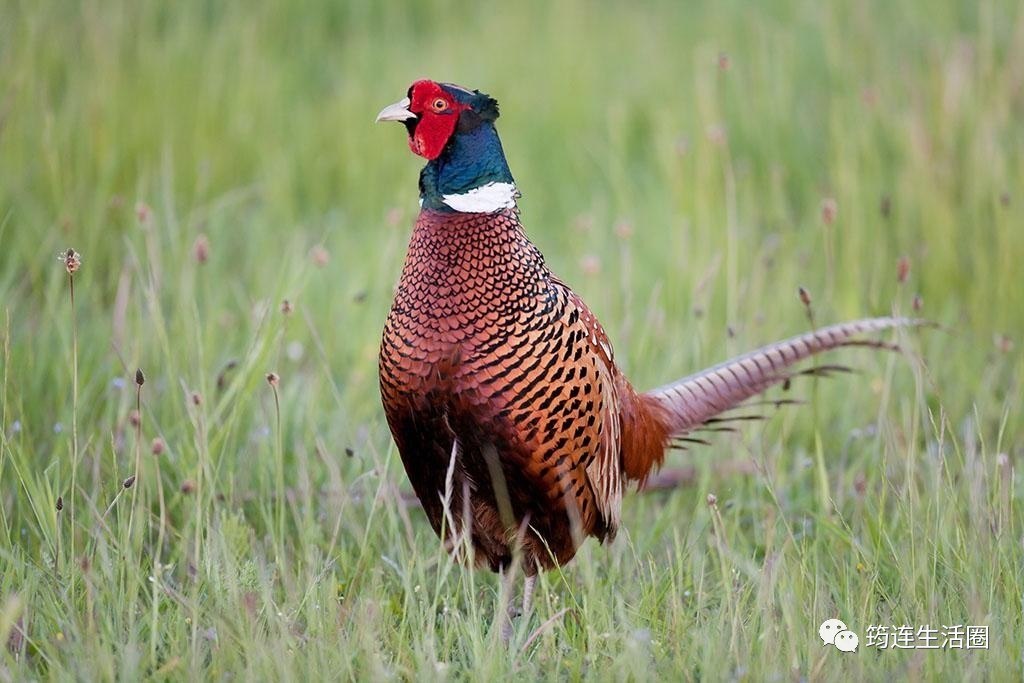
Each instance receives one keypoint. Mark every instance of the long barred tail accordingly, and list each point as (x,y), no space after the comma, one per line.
(690,402)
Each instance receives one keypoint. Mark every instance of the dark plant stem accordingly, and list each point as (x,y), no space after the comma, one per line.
(74,413)
(56,552)
(279,462)
(138,454)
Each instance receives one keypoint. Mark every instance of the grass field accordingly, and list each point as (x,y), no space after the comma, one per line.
(686,168)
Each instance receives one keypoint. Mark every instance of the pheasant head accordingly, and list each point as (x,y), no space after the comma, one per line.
(453,128)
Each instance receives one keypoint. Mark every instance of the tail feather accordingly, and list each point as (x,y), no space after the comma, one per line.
(692,402)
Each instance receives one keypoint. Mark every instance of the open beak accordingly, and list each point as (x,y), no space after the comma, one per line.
(399,111)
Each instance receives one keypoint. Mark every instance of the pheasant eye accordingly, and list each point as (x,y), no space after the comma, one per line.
(439,104)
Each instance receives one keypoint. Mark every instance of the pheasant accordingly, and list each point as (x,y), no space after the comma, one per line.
(517,430)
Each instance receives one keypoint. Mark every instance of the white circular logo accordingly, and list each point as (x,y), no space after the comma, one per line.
(828,630)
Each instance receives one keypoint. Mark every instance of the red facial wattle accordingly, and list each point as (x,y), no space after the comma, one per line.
(436,124)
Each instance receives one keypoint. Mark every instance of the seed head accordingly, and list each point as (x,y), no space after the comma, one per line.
(196,398)
(287,307)
(140,378)
(902,269)
(157,446)
(71,259)
(60,503)
(273,379)
(723,61)
(201,249)
(142,211)
(712,500)
(885,206)
(188,486)
(717,134)
(127,483)
(918,303)
(319,256)
(860,484)
(133,418)
(805,296)
(829,209)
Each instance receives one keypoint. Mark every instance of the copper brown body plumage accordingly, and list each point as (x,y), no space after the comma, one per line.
(487,354)
(516,428)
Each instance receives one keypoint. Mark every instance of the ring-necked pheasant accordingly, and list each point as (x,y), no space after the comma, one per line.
(517,430)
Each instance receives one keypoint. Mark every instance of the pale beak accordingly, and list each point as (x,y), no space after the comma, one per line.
(399,111)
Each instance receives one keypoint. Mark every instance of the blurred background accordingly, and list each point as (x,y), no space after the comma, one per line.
(685,166)
(706,143)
